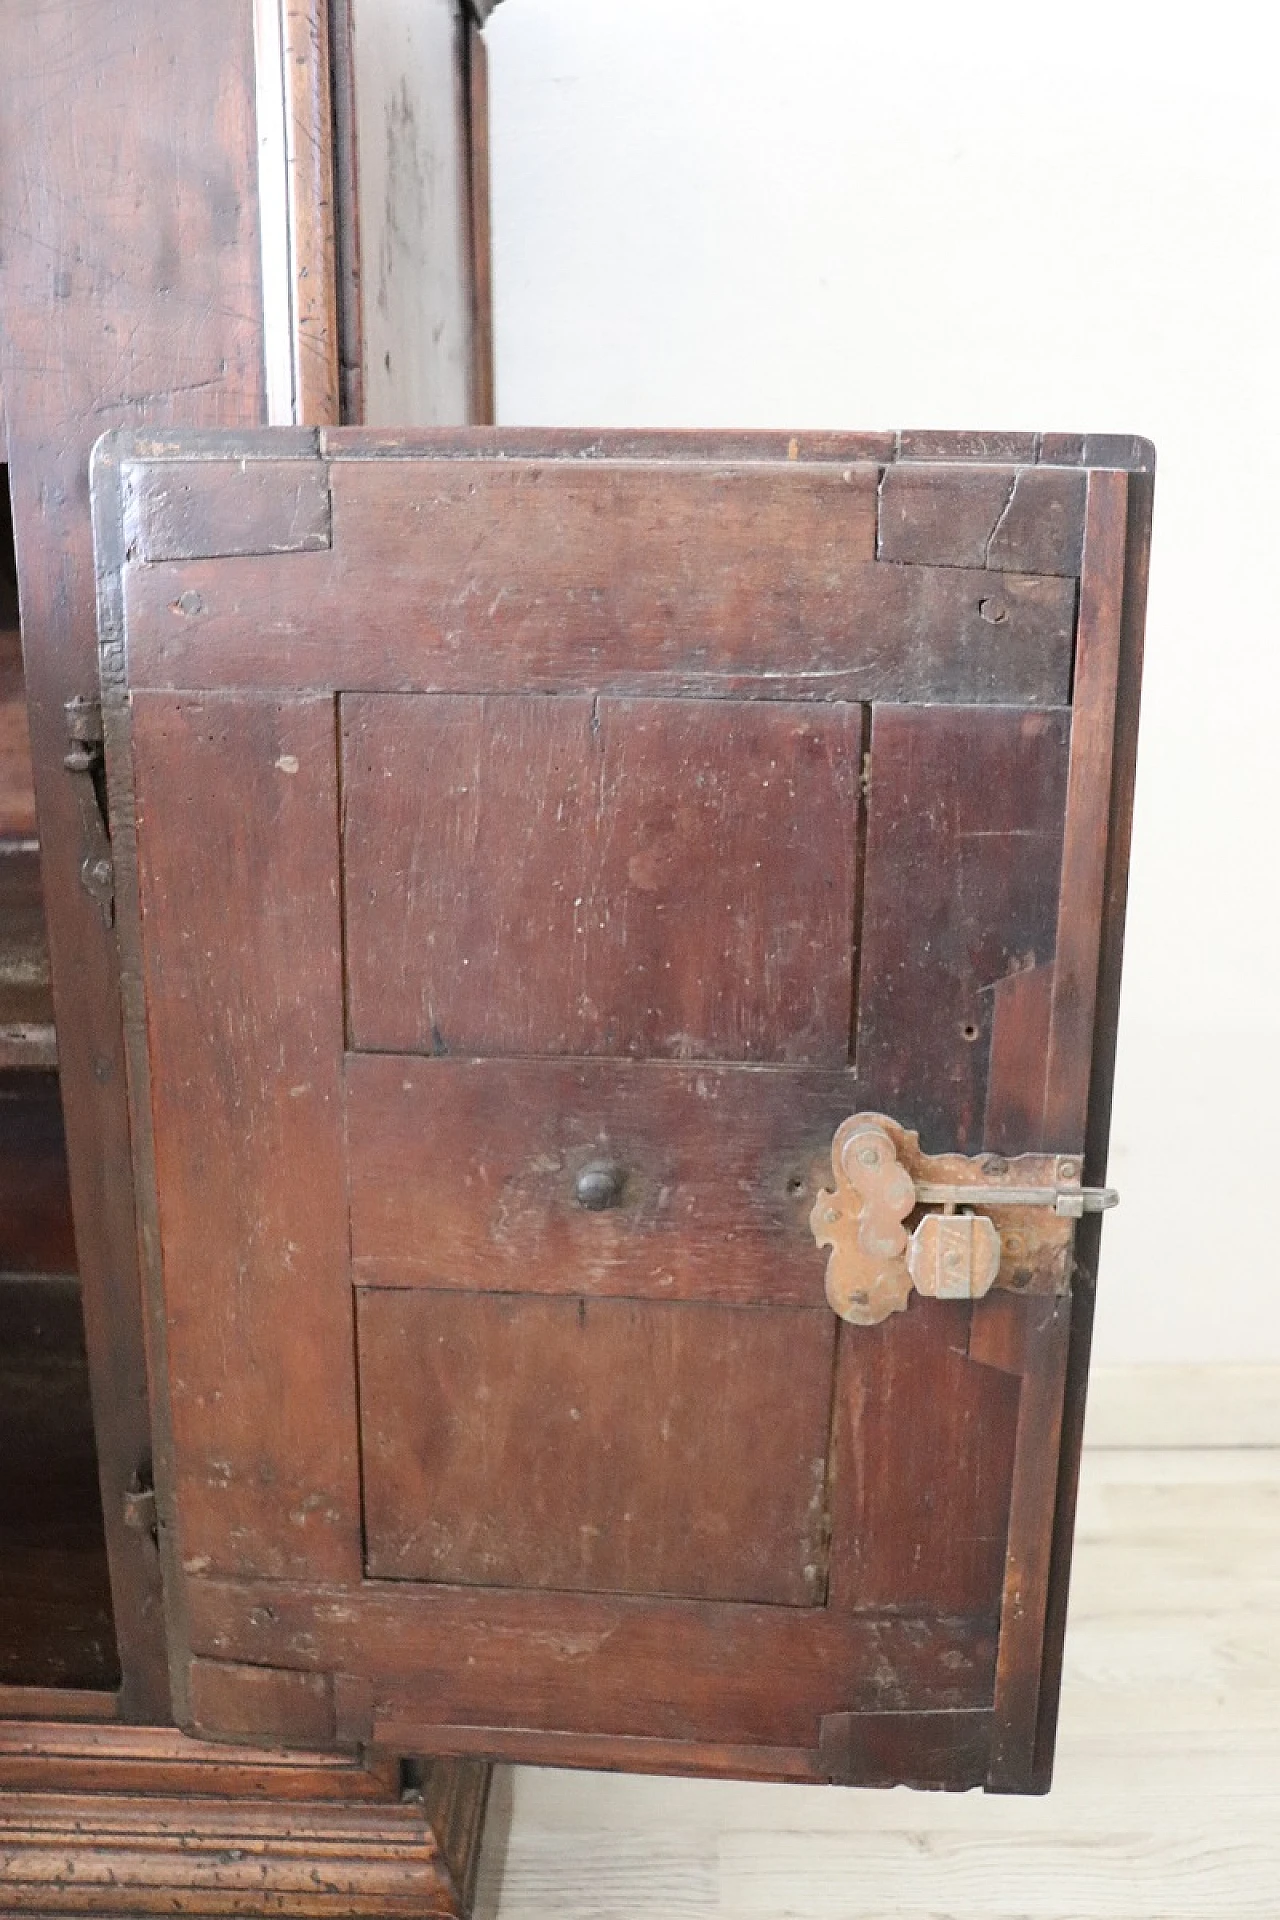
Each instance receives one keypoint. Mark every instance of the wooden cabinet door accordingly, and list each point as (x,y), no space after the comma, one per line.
(529,849)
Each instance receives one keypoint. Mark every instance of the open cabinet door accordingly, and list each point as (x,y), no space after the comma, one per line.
(531,851)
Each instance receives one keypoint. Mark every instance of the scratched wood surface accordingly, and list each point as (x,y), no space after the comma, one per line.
(256,783)
(639,877)
(635,576)
(1167,1781)
(961,895)
(462,1174)
(588,881)
(552,1443)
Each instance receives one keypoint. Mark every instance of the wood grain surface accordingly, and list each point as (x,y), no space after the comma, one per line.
(463,1174)
(245,1062)
(55,1599)
(1165,1789)
(698,1673)
(552,1443)
(110,319)
(640,877)
(556,832)
(964,838)
(608,576)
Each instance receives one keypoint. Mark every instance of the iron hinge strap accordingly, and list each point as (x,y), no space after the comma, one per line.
(84,734)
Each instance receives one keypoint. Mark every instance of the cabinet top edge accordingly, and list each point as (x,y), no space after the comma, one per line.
(1126,453)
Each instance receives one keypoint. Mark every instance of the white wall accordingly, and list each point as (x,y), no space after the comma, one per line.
(979,215)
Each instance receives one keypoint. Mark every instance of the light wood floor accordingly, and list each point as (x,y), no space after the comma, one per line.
(1166,1804)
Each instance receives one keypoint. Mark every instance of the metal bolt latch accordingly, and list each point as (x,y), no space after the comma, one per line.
(879,1252)
(1069,1203)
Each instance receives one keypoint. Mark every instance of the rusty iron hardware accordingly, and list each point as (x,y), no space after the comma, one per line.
(883,1243)
(85,757)
(1069,1203)
(84,734)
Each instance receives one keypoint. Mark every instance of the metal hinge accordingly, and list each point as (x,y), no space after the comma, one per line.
(86,758)
(85,734)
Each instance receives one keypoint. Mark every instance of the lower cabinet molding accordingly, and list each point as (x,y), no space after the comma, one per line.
(140,1821)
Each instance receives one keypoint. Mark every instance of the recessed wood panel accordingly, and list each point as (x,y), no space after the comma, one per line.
(594,1445)
(463,1175)
(646,877)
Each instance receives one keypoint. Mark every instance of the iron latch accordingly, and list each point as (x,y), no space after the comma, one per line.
(884,1240)
(1069,1203)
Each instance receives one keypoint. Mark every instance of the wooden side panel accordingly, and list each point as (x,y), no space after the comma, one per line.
(463,1175)
(241,951)
(111,319)
(964,845)
(964,850)
(670,878)
(1046,1332)
(605,575)
(411,113)
(557,1443)
(1030,1648)
(1088,802)
(1138,504)
(309,158)
(483,372)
